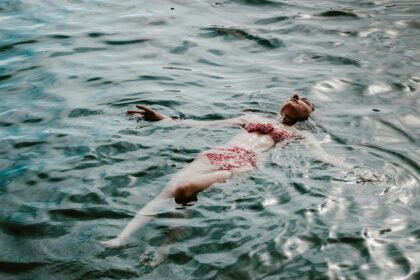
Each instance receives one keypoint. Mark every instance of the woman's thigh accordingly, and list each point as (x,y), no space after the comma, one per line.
(200,165)
(185,191)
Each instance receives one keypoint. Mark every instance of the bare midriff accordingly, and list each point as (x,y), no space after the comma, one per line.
(243,149)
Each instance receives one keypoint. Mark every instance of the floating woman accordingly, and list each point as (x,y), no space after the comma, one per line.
(240,154)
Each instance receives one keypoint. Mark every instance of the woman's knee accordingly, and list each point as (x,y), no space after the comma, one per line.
(183,194)
(185,191)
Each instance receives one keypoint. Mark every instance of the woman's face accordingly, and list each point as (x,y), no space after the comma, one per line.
(296,108)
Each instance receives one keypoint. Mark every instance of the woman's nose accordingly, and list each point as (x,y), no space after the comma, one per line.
(295,96)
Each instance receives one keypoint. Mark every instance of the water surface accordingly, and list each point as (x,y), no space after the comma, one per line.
(74,168)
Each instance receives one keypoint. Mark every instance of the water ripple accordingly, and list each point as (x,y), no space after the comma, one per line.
(74,168)
(236,33)
(125,42)
(87,213)
(337,13)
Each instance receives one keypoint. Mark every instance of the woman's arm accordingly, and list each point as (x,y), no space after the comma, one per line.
(148,114)
(357,174)
(315,148)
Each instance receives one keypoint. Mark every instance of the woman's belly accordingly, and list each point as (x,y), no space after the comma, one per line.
(253,142)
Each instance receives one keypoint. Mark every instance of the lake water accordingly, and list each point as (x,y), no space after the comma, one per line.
(74,168)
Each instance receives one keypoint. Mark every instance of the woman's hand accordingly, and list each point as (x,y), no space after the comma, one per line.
(361,175)
(147,114)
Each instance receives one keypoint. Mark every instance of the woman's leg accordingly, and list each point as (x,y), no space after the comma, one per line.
(185,185)
(187,189)
(139,220)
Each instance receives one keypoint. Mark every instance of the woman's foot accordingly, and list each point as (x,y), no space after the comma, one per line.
(113,243)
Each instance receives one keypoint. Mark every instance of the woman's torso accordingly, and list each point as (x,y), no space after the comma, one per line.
(258,140)
(244,151)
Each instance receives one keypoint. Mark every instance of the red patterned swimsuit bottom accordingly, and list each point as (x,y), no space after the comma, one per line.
(232,157)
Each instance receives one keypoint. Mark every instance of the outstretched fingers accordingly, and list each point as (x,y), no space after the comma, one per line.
(144,108)
(147,114)
(140,112)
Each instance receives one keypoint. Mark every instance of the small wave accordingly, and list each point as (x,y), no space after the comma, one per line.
(125,42)
(400,131)
(57,54)
(146,101)
(97,34)
(331,59)
(305,29)
(118,148)
(183,48)
(260,3)
(414,24)
(337,13)
(87,213)
(87,49)
(34,230)
(337,60)
(111,274)
(271,20)
(92,164)
(76,50)
(176,68)
(83,112)
(154,78)
(396,154)
(154,171)
(208,62)
(93,79)
(33,120)
(59,36)
(216,31)
(13,45)
(6,124)
(91,197)
(26,144)
(5,77)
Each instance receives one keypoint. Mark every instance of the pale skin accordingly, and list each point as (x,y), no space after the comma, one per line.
(201,174)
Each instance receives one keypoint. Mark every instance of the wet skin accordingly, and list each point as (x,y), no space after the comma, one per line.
(296,109)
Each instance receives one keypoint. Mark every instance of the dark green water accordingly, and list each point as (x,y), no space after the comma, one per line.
(74,168)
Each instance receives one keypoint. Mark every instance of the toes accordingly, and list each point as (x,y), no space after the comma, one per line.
(113,243)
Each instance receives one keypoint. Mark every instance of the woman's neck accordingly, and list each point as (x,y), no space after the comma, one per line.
(286,122)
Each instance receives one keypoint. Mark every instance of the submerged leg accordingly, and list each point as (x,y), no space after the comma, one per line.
(140,219)
(182,191)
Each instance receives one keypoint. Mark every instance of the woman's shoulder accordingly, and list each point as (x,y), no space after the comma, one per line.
(303,133)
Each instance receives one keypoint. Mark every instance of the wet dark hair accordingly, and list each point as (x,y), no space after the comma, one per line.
(292,121)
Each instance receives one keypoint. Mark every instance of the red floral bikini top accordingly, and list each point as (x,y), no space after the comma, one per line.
(275,133)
